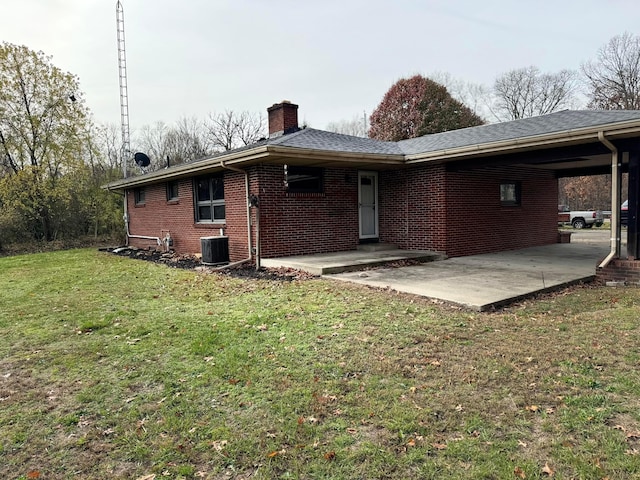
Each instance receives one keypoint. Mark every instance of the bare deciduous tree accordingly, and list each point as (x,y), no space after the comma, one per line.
(251,127)
(108,139)
(613,79)
(151,139)
(163,144)
(229,130)
(527,92)
(474,95)
(186,141)
(355,127)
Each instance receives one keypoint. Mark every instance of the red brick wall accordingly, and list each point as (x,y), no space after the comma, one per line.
(157,216)
(298,224)
(459,213)
(422,208)
(478,223)
(235,200)
(620,270)
(290,224)
(412,208)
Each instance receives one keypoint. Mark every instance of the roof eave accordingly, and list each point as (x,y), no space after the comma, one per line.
(565,137)
(337,156)
(247,157)
(189,169)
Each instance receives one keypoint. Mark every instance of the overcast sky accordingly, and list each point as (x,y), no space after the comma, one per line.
(334,58)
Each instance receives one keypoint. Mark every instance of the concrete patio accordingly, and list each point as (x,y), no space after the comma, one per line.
(479,282)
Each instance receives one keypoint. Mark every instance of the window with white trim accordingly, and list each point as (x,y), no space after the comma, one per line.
(209,199)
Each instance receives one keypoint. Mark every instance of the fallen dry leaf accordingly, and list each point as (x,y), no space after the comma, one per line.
(330,455)
(532,408)
(151,476)
(33,474)
(548,470)
(218,445)
(518,472)
(439,446)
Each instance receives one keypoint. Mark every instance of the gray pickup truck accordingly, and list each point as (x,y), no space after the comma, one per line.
(579,218)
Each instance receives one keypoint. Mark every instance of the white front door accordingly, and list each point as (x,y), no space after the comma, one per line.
(368,204)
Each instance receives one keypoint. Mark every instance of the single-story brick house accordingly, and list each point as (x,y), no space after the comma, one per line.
(303,191)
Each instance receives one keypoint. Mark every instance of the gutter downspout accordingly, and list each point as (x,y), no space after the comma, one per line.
(246,186)
(615,200)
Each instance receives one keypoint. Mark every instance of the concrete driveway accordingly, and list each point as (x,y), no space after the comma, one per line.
(481,282)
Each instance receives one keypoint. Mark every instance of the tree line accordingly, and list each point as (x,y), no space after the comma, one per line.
(419,105)
(54,158)
(611,81)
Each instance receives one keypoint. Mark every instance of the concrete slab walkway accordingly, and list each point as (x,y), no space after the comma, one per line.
(481,282)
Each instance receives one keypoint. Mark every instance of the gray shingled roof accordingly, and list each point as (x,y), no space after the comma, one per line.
(523,128)
(321,141)
(309,138)
(335,142)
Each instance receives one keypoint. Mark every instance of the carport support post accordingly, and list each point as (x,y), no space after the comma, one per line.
(633,245)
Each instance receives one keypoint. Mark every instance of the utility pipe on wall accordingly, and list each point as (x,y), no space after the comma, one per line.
(255,201)
(615,200)
(126,223)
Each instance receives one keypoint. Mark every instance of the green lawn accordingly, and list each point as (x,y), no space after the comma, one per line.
(116,368)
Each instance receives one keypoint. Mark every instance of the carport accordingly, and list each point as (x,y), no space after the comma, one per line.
(569,143)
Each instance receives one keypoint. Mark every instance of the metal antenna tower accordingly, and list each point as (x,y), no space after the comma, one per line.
(124,95)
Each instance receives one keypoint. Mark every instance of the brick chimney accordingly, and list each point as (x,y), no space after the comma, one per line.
(283,118)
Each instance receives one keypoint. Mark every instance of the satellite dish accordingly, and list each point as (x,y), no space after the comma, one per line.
(141,160)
